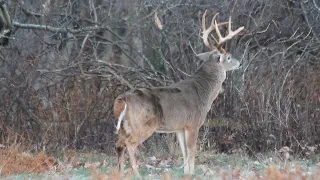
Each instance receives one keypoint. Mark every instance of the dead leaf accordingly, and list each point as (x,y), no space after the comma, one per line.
(236,173)
(157,21)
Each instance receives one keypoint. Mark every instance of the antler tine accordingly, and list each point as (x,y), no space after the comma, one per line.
(204,21)
(230,35)
(213,20)
(233,33)
(205,31)
(218,32)
(219,43)
(229,25)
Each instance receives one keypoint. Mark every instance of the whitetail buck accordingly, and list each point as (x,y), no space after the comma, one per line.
(180,108)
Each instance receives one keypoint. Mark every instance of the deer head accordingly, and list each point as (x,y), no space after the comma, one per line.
(226,60)
(217,52)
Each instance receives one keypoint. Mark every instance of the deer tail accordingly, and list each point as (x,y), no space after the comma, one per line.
(121,117)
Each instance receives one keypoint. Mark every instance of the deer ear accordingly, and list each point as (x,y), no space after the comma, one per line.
(207,55)
(204,56)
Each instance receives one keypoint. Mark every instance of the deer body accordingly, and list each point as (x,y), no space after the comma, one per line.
(181,108)
(194,98)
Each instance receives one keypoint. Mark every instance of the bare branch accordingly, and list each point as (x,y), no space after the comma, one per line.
(59,30)
(93,9)
(6,15)
(315,5)
(30,13)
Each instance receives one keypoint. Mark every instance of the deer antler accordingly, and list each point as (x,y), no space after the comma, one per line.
(230,35)
(206,32)
(215,25)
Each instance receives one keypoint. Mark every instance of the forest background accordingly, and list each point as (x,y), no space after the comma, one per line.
(62,63)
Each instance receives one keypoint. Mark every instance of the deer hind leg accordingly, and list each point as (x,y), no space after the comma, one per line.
(191,135)
(120,148)
(121,162)
(138,136)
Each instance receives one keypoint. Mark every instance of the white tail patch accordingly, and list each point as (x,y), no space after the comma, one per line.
(121,117)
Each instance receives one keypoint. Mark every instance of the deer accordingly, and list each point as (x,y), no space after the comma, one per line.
(179,108)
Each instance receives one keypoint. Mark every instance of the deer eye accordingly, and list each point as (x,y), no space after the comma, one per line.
(228,58)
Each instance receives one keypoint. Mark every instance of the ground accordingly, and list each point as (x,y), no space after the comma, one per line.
(92,165)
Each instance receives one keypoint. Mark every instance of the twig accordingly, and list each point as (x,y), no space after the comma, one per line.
(30,13)
(81,50)
(28,111)
(120,78)
(307,19)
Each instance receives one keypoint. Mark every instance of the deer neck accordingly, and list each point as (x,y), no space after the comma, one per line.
(210,73)
(208,80)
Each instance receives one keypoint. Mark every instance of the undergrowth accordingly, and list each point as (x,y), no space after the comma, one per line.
(16,164)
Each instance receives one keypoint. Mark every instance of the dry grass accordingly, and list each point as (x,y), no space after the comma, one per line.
(15,162)
(272,173)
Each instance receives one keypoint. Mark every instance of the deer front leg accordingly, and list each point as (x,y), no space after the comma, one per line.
(191,135)
(182,142)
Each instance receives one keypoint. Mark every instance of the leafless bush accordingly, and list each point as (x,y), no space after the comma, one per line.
(66,61)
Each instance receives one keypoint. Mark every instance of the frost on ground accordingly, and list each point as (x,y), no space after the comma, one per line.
(76,165)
